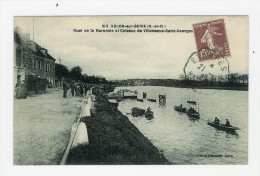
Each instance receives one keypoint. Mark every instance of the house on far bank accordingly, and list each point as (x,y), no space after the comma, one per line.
(30,59)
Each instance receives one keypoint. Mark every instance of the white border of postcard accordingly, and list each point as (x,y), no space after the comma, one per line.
(9,9)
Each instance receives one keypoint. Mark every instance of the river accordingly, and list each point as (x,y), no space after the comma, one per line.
(190,142)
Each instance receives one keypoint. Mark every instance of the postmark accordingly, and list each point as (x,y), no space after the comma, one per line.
(210,36)
(216,64)
(214,69)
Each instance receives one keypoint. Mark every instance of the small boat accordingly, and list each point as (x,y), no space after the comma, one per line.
(180,109)
(119,99)
(141,100)
(151,99)
(193,114)
(149,114)
(135,111)
(192,102)
(223,127)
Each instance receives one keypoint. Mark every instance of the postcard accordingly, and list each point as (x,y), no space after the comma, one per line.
(130,90)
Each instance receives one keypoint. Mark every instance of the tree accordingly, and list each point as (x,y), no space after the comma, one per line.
(75,73)
(244,78)
(61,71)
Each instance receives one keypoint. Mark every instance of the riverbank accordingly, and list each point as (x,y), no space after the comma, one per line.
(193,84)
(113,139)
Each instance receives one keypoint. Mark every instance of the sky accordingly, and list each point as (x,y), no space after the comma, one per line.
(125,55)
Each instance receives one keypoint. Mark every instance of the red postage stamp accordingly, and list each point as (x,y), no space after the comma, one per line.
(211,36)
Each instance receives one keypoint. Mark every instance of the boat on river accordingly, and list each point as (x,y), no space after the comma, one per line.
(135,111)
(180,108)
(193,113)
(192,102)
(123,94)
(149,114)
(119,99)
(141,100)
(222,126)
(151,99)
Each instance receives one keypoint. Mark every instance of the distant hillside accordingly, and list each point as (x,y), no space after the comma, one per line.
(185,83)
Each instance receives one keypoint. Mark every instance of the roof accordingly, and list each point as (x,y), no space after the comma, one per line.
(50,57)
(30,45)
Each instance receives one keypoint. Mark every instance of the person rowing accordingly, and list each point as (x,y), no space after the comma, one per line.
(227,123)
(216,121)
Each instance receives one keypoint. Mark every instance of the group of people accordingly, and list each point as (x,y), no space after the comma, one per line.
(217,121)
(77,89)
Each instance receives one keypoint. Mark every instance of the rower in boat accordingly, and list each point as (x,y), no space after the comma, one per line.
(193,113)
(216,121)
(149,113)
(225,127)
(227,123)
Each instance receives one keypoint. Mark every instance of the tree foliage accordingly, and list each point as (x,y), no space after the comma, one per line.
(61,71)
(75,73)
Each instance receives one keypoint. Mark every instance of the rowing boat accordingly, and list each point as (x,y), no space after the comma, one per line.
(193,114)
(180,109)
(149,114)
(223,127)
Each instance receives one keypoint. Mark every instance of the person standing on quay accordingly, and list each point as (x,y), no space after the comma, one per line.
(72,89)
(81,89)
(65,89)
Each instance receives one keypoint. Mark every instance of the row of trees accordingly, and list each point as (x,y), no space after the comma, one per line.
(75,73)
(232,81)
(229,78)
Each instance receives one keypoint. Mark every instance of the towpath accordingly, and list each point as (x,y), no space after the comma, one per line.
(42,126)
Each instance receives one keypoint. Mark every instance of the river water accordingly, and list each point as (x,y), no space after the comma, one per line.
(185,141)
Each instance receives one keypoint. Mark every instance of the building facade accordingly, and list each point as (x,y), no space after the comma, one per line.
(31,59)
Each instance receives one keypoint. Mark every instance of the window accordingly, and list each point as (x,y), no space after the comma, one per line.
(32,62)
(35,63)
(18,57)
(39,64)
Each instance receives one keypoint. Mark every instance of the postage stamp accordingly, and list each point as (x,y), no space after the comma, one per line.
(211,35)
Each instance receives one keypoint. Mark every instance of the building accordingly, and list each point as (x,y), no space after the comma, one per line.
(31,59)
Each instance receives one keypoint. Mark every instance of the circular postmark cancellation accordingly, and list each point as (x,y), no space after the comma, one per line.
(207,73)
(216,64)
